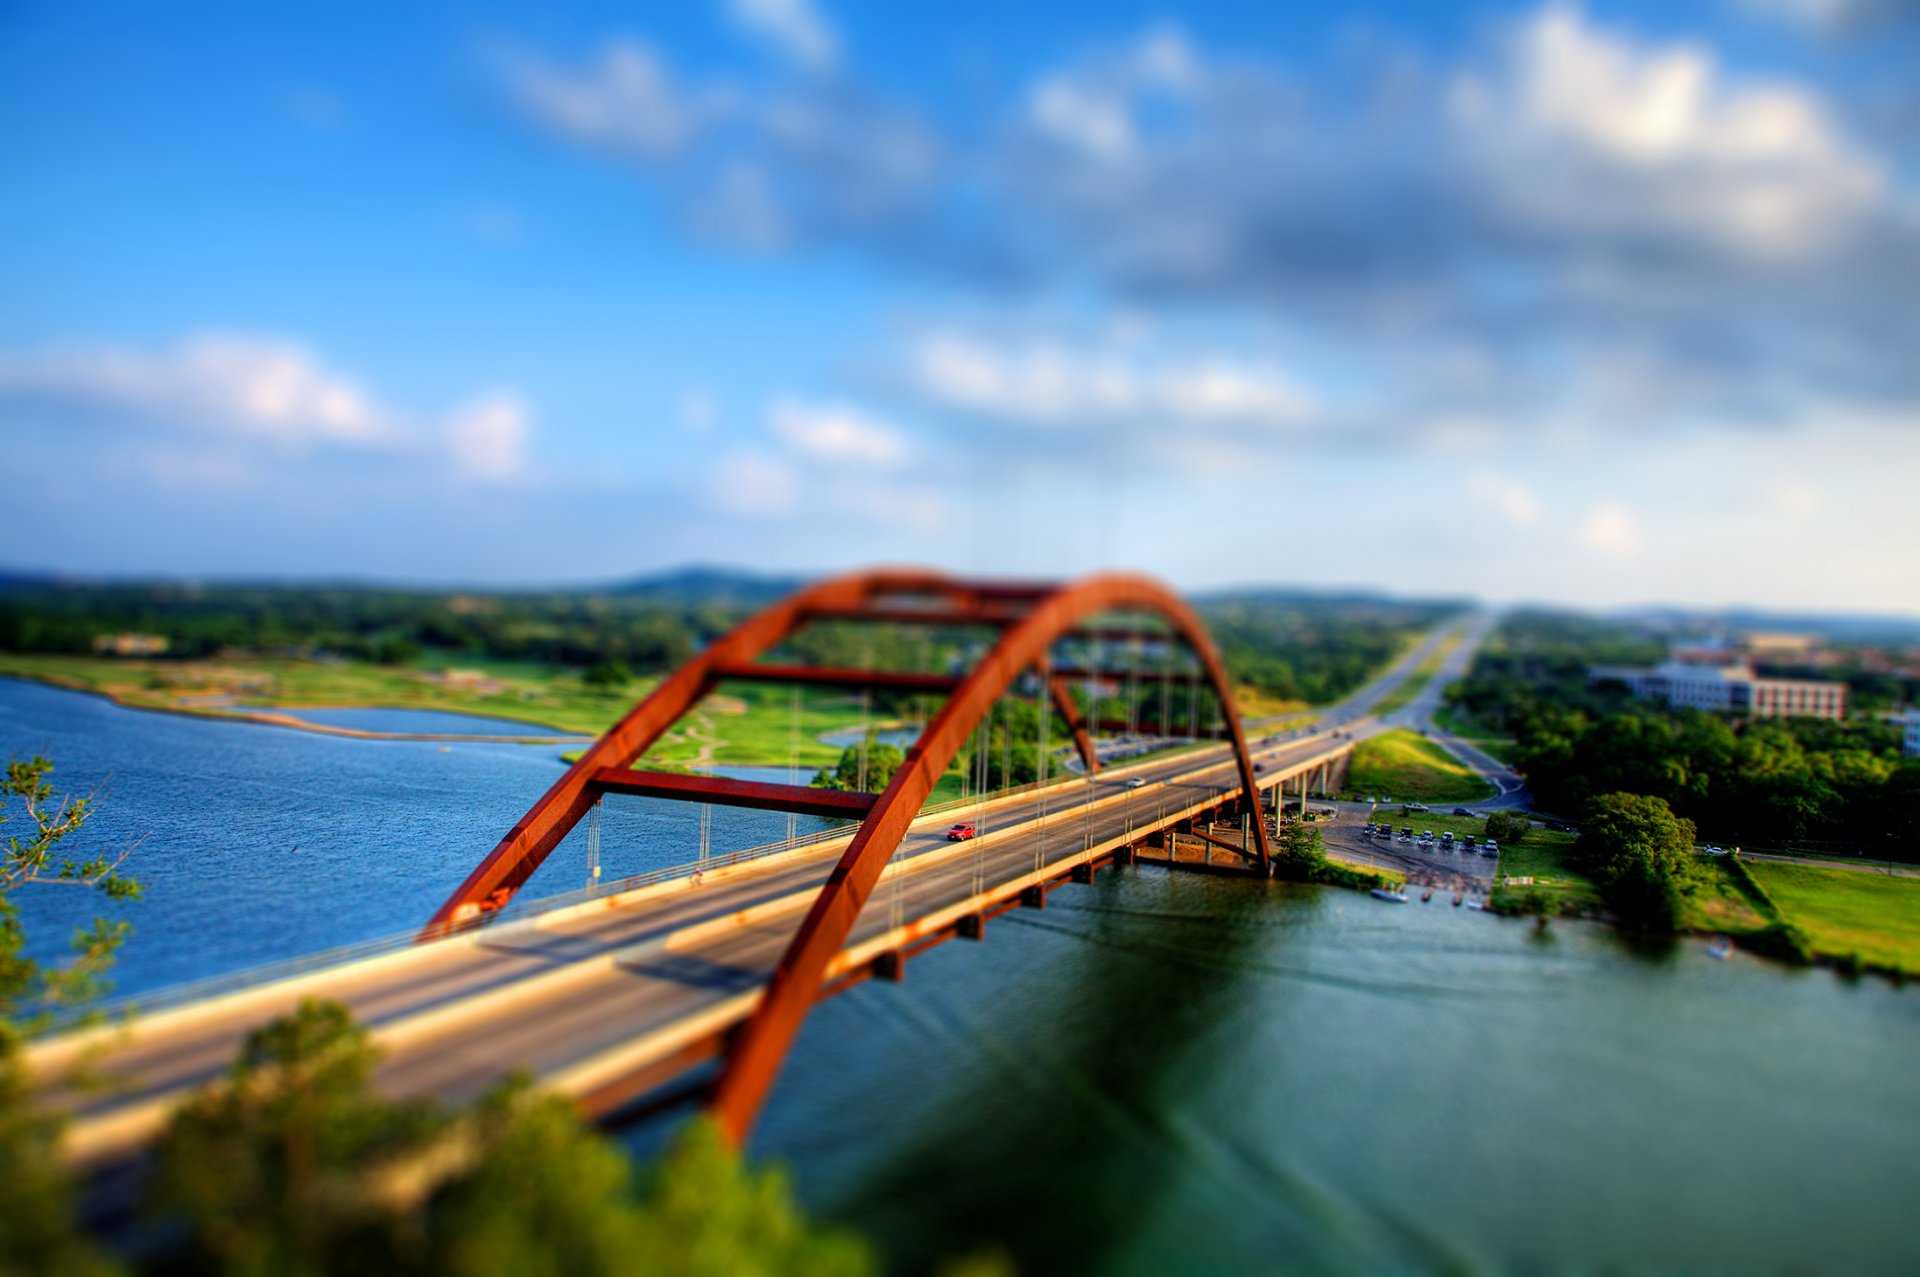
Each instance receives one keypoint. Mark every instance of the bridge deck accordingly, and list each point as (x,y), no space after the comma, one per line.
(608,998)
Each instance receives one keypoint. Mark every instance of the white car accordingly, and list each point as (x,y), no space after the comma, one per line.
(1135,782)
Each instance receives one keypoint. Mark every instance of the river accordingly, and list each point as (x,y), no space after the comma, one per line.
(1156,1074)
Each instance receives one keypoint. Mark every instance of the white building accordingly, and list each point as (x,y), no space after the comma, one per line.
(1910,742)
(1728,689)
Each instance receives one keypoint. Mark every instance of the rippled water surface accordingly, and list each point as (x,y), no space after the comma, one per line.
(1156,1074)
(256,843)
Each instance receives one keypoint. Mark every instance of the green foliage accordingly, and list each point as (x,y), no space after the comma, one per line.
(1769,781)
(296,1165)
(37,1233)
(881,762)
(1641,855)
(1299,853)
(1313,650)
(607,676)
(1006,751)
(274,1171)
(1508,828)
(30,993)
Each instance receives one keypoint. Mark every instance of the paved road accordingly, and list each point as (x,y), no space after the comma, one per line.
(580,995)
(577,993)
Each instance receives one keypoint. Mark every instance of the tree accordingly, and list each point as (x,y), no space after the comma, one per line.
(1508,827)
(881,763)
(296,1164)
(607,676)
(37,1233)
(1640,854)
(275,1171)
(1299,853)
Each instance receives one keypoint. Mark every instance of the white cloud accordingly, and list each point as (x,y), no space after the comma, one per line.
(837,433)
(794,29)
(1588,131)
(1079,116)
(253,388)
(488,438)
(1512,499)
(1610,531)
(626,101)
(754,484)
(1047,384)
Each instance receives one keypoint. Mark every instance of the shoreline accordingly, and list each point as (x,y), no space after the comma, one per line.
(270,716)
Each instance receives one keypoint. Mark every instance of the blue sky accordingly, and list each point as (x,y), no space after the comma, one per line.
(1599,304)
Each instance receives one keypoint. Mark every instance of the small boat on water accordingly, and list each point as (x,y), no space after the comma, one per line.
(1388,893)
(1426,895)
(1476,903)
(1720,947)
(1457,900)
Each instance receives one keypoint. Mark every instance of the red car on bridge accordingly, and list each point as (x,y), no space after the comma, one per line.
(960,832)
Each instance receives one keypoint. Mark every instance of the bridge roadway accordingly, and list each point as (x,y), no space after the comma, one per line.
(608,999)
(587,995)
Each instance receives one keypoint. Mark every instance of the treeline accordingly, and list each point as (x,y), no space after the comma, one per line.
(393,626)
(1314,650)
(1762,781)
(1304,649)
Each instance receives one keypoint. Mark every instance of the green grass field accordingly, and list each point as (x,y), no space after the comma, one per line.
(1713,902)
(1847,911)
(744,724)
(1410,768)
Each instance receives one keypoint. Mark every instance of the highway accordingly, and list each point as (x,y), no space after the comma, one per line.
(607,998)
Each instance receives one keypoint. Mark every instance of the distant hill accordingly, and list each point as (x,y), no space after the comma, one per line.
(700,583)
(10,579)
(1841,628)
(1291,595)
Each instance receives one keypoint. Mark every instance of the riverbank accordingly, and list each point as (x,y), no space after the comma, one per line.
(553,700)
(1853,921)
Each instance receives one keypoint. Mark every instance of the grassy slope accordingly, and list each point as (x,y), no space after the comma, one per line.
(1409,767)
(1845,911)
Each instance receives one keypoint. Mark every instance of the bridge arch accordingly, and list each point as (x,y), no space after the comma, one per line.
(1032,617)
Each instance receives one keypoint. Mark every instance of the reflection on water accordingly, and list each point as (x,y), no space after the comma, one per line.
(1157,1074)
(1185,1074)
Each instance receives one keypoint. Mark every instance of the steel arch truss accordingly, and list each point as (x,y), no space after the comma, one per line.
(1030,617)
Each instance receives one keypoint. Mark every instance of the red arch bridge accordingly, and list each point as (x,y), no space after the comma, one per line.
(692,983)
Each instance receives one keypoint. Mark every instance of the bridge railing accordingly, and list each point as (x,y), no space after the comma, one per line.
(518,911)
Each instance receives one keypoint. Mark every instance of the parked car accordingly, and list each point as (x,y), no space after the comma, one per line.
(960,832)
(1461,811)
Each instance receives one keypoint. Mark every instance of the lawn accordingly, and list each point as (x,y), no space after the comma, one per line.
(1714,901)
(1847,911)
(1410,768)
(747,724)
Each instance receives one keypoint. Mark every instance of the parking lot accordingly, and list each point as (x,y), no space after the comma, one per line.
(1446,866)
